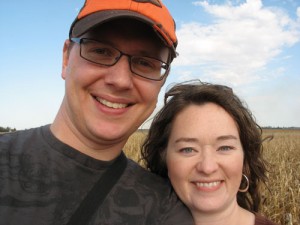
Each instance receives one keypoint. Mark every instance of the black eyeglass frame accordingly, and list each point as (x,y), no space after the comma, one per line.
(165,65)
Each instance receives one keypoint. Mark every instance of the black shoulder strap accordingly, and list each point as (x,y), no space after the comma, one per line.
(96,195)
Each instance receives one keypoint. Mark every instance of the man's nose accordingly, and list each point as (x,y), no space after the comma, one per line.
(120,74)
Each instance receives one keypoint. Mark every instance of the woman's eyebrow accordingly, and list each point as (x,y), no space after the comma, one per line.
(227,137)
(186,139)
(195,140)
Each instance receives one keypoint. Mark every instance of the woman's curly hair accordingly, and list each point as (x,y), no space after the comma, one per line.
(181,96)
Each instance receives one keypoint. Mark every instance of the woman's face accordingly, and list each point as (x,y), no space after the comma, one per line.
(205,158)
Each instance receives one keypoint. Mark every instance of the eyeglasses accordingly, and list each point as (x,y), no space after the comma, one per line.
(107,55)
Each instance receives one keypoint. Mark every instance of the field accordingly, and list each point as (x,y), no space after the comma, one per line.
(281,203)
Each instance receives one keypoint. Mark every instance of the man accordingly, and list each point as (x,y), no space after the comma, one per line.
(73,171)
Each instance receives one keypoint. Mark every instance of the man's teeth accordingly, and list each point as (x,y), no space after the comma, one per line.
(211,184)
(111,104)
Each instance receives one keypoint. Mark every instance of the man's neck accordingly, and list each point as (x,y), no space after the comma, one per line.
(63,129)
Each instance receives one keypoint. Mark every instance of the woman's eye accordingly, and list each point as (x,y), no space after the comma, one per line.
(225,148)
(186,150)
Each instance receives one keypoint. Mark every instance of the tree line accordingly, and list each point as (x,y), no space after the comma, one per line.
(7,129)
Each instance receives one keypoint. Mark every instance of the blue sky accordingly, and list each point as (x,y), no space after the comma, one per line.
(252,46)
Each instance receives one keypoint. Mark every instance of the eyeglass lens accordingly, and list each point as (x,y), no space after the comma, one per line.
(104,54)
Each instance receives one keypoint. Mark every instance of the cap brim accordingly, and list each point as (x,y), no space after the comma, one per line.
(81,26)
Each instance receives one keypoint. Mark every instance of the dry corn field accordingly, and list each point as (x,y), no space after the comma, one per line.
(281,203)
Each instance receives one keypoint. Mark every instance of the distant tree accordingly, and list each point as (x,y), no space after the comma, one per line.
(7,129)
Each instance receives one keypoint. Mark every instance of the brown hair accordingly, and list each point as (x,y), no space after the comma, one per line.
(182,95)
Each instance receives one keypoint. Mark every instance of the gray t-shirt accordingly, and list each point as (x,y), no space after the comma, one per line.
(43,181)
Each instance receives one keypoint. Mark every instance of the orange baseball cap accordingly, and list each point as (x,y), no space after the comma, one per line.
(152,12)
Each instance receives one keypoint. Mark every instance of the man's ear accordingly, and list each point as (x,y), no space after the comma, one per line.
(65,59)
(167,74)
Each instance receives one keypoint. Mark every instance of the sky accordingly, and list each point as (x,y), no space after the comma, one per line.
(252,46)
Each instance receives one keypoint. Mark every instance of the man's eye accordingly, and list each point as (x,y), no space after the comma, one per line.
(143,62)
(148,64)
(102,51)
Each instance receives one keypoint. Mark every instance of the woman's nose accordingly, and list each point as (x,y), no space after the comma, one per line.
(207,162)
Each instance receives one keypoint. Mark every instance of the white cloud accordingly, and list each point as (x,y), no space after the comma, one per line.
(240,42)
(277,105)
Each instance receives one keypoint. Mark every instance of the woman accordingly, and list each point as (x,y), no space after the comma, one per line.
(208,144)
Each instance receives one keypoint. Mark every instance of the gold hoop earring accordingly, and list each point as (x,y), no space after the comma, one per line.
(247,186)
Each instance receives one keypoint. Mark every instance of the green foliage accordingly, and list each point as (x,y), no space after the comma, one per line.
(7,129)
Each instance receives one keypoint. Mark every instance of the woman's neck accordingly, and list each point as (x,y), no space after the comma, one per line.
(234,215)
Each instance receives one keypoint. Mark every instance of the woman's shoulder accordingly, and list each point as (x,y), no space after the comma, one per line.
(261,220)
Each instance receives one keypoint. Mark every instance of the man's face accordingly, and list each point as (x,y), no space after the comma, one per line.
(109,103)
